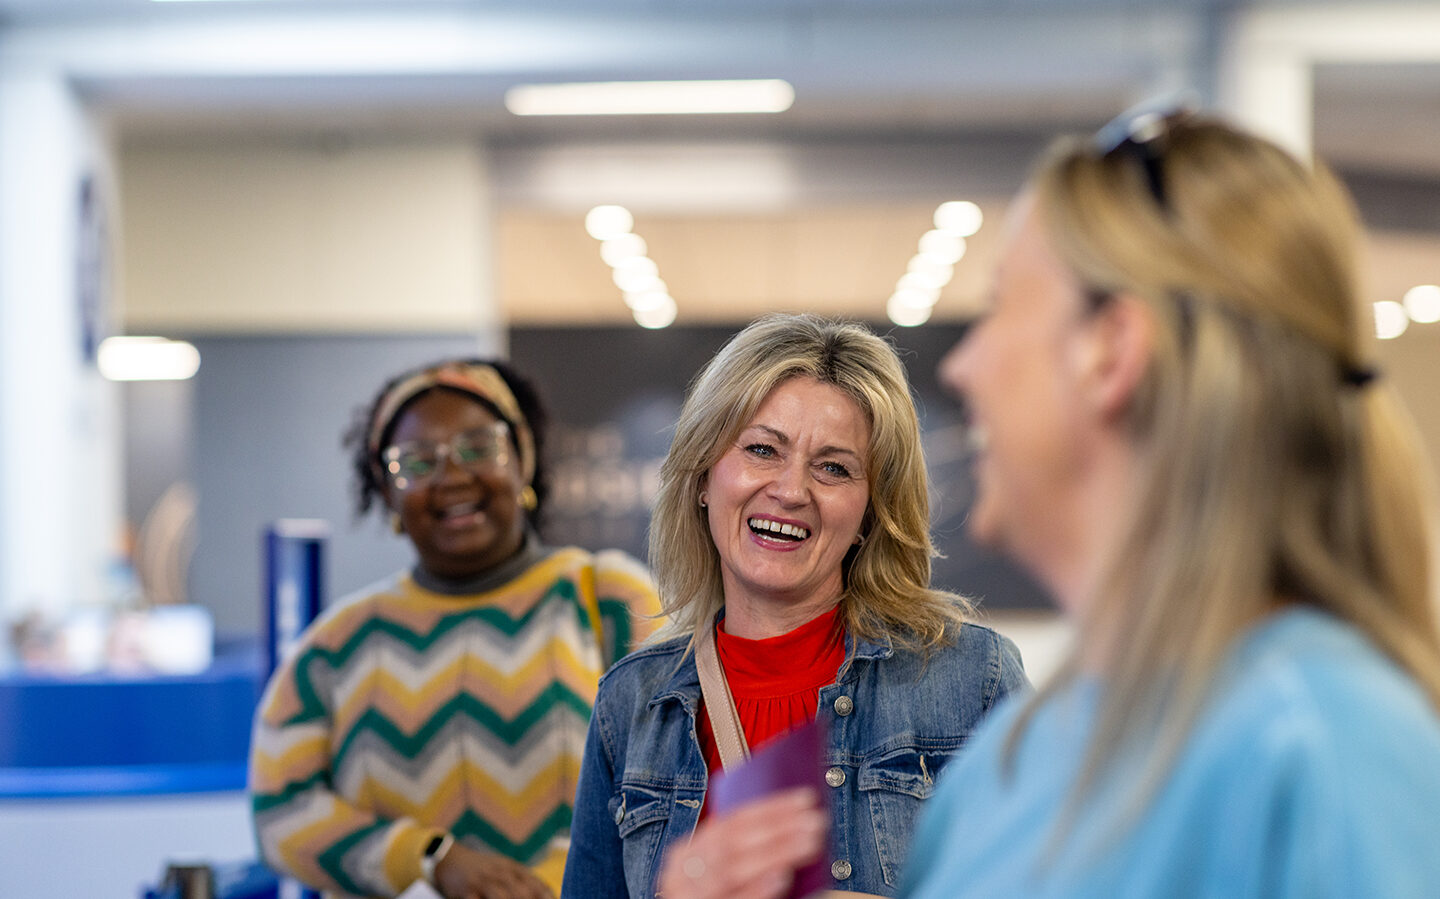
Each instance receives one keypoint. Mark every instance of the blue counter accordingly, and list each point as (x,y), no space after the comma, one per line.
(106,735)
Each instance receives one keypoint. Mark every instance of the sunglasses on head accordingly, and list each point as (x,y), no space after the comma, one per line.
(1142,133)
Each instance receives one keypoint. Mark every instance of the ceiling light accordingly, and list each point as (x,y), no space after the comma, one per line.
(946,246)
(904,314)
(638,278)
(608,222)
(650,98)
(959,217)
(617,249)
(636,266)
(933,266)
(147,359)
(912,281)
(661,316)
(647,299)
(635,273)
(1423,304)
(915,297)
(1390,319)
(930,272)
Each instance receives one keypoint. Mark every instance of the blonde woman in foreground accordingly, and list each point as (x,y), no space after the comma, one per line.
(1185,437)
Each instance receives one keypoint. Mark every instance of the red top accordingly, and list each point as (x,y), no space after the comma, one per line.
(775,681)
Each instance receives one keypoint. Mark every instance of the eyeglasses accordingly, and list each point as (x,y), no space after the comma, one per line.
(1141,133)
(411,465)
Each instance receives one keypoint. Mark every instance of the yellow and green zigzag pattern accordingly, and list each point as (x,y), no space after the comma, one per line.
(406,712)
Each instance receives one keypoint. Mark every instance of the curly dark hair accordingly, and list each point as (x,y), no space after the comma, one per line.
(367,485)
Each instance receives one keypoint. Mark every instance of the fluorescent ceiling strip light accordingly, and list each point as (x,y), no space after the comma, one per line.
(650,98)
(147,359)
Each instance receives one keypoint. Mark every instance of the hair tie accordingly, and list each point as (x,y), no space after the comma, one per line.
(1359,377)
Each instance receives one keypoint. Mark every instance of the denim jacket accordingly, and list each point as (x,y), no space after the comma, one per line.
(896,718)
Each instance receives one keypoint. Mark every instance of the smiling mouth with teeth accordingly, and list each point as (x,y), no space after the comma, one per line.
(458,511)
(770,528)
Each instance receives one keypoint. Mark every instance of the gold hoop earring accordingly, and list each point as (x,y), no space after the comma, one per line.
(528,499)
(396,524)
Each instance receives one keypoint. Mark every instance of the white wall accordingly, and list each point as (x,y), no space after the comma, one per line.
(60,493)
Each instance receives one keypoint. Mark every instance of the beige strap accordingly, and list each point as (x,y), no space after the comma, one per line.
(719,704)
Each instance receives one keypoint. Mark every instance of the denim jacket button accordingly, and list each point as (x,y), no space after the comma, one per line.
(840,870)
(620,814)
(835,777)
(844,705)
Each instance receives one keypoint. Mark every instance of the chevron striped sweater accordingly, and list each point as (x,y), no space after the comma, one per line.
(405,713)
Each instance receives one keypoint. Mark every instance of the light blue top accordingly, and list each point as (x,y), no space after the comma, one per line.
(1313,772)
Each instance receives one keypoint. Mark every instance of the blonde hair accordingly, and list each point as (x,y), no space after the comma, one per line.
(887,578)
(1270,473)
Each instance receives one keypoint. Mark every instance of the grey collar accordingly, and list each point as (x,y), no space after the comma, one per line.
(530,552)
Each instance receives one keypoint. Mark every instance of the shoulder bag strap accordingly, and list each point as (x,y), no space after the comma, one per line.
(719,704)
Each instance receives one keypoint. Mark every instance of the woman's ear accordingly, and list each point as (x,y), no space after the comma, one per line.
(1120,344)
(389,497)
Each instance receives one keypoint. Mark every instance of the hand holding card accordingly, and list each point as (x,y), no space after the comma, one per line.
(794,760)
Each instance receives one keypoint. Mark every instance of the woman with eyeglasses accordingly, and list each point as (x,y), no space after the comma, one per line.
(1184,434)
(431,727)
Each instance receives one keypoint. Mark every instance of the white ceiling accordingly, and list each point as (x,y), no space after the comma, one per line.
(862,69)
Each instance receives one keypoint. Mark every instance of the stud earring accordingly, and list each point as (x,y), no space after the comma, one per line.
(528,499)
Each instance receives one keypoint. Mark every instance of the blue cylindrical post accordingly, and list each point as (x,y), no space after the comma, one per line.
(295,581)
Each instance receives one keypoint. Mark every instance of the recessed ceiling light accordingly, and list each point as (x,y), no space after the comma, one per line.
(661,315)
(906,314)
(607,222)
(616,250)
(959,217)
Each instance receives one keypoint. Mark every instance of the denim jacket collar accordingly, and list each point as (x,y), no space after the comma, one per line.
(683,685)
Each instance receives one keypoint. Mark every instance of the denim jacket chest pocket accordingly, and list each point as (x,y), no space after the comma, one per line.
(641,812)
(649,813)
(894,782)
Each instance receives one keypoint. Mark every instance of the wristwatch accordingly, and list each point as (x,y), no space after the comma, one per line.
(435,850)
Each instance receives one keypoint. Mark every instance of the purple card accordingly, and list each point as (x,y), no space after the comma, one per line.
(794,760)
